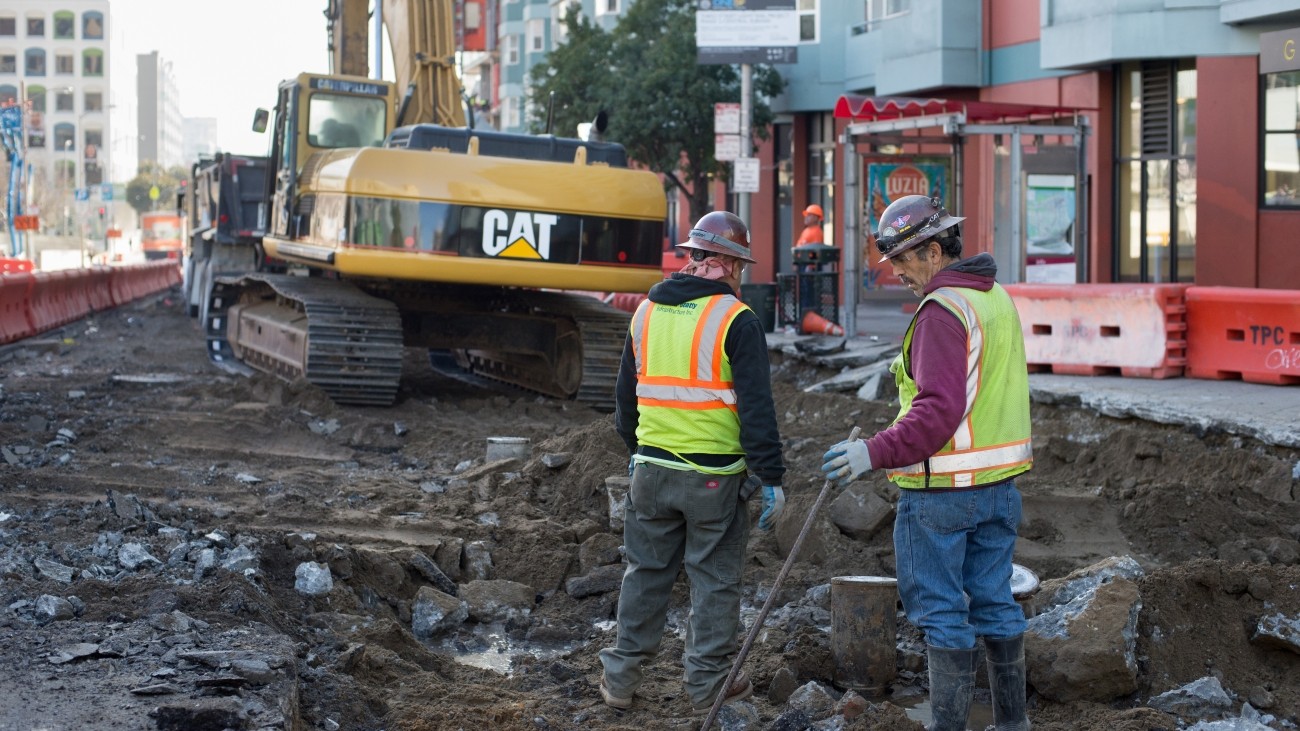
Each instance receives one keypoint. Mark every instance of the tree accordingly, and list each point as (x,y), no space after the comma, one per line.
(149,175)
(660,101)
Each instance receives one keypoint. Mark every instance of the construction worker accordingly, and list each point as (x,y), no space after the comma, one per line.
(961,437)
(694,405)
(812,226)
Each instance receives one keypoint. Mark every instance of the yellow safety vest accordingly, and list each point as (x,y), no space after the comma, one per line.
(686,399)
(992,443)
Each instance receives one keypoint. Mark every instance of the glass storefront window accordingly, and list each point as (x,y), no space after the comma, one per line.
(1281,163)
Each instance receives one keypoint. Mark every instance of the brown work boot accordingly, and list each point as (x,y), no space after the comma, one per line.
(611,700)
(740,689)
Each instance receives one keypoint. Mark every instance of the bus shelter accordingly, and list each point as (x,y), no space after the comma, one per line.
(1040,198)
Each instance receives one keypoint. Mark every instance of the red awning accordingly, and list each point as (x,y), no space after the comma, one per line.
(872,108)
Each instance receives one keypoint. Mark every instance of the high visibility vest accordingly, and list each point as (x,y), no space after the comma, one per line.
(992,443)
(686,400)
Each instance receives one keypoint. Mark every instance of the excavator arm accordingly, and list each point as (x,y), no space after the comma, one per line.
(423,39)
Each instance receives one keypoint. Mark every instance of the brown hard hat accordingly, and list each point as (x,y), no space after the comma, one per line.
(909,222)
(720,232)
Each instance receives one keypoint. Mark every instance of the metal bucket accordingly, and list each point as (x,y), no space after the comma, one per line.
(1024,585)
(499,448)
(864,632)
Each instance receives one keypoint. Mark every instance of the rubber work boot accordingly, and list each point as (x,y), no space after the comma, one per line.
(1006,667)
(952,683)
(740,689)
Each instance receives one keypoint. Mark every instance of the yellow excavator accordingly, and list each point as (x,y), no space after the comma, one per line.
(389,224)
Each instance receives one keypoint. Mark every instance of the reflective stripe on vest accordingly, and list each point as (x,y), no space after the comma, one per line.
(1004,449)
(686,401)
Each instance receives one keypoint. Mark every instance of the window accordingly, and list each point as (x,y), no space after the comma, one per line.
(92,25)
(63,65)
(821,169)
(808,21)
(512,50)
(63,101)
(36,27)
(8,27)
(35,98)
(64,137)
(879,10)
(65,23)
(8,63)
(338,120)
(8,94)
(1156,173)
(34,62)
(1281,166)
(606,7)
(92,62)
(536,35)
(93,101)
(560,12)
(509,113)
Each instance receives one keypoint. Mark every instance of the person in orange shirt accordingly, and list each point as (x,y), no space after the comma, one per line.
(812,226)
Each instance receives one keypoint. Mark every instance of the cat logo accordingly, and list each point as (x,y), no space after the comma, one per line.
(529,234)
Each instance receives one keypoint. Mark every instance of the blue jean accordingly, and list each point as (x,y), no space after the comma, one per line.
(954,563)
(676,518)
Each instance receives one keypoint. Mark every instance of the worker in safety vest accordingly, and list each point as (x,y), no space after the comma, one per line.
(961,437)
(694,405)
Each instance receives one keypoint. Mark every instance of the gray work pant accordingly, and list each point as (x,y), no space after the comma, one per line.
(676,516)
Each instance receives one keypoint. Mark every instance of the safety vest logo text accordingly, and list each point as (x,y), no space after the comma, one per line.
(518,235)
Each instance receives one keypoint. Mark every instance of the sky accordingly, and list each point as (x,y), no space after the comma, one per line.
(227,57)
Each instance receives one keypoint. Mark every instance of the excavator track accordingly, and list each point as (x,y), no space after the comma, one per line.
(339,338)
(600,332)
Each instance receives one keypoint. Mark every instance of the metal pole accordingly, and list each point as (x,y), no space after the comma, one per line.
(1016,272)
(852,245)
(379,40)
(746,149)
(1082,247)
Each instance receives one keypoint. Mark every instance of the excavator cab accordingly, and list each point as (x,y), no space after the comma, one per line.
(315,114)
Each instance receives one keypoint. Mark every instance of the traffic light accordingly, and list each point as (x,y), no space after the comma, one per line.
(101,213)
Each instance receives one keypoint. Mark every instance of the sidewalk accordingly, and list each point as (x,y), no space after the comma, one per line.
(1270,414)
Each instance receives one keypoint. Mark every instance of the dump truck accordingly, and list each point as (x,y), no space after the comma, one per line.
(223,207)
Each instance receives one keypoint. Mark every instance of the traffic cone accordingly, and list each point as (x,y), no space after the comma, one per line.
(815,324)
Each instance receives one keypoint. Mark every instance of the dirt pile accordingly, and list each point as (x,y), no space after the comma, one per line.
(155,512)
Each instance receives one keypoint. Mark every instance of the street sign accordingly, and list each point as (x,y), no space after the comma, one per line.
(154,193)
(82,194)
(106,192)
(759,31)
(726,118)
(726,147)
(744,178)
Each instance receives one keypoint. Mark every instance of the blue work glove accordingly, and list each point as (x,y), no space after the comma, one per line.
(846,461)
(773,504)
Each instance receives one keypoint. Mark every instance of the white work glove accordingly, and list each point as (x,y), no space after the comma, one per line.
(773,504)
(846,461)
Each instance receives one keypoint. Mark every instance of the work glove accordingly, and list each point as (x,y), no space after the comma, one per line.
(846,461)
(773,504)
(631,465)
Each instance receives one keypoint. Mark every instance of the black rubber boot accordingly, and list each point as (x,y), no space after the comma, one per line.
(1006,667)
(952,682)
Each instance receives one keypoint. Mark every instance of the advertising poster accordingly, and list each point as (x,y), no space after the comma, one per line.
(886,182)
(1049,229)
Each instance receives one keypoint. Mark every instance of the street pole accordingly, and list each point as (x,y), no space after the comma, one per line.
(746,148)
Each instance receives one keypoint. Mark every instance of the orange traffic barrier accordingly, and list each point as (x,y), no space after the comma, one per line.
(815,324)
(10,265)
(1250,334)
(1136,330)
(99,288)
(15,307)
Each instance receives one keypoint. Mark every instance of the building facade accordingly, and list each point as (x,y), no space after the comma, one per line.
(161,126)
(54,61)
